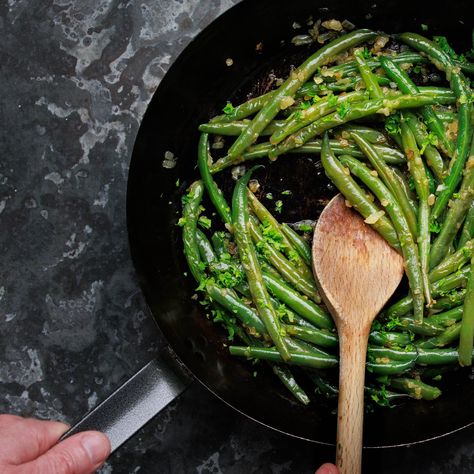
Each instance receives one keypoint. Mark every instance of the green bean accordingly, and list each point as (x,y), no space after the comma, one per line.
(407,192)
(315,361)
(407,86)
(311,89)
(303,307)
(370,134)
(467,323)
(408,246)
(365,71)
(320,337)
(467,232)
(317,110)
(416,388)
(453,262)
(228,299)
(303,347)
(219,243)
(215,194)
(289,272)
(389,179)
(205,248)
(389,155)
(458,83)
(446,116)
(298,243)
(380,354)
(424,329)
(432,155)
(191,212)
(266,218)
(288,89)
(288,380)
(417,171)
(405,57)
(447,318)
(357,111)
(233,129)
(324,387)
(389,367)
(248,258)
(437,356)
(246,109)
(353,193)
(456,213)
(452,300)
(448,336)
(389,339)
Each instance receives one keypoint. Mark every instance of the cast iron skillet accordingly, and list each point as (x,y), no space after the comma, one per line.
(195,88)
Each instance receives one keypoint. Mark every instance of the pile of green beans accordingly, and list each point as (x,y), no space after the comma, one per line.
(390,147)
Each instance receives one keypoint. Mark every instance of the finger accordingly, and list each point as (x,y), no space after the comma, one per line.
(327,469)
(82,453)
(24,439)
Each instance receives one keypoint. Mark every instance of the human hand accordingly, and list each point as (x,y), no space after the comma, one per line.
(29,446)
(327,469)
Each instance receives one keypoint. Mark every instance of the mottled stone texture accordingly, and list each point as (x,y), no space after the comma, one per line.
(76,78)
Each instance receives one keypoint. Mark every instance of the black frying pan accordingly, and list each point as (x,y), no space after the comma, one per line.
(195,88)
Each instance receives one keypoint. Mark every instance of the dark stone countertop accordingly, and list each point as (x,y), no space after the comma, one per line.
(76,78)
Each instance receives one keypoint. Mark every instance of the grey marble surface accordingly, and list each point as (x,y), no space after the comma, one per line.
(76,78)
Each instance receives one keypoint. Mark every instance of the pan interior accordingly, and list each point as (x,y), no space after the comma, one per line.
(196,87)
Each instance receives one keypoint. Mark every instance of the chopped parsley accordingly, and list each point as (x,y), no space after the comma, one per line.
(332,100)
(366,53)
(424,27)
(431,139)
(286,193)
(269,196)
(435,227)
(343,109)
(228,109)
(392,124)
(205,222)
(278,206)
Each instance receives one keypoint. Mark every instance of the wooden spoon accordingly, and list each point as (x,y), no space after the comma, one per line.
(356,272)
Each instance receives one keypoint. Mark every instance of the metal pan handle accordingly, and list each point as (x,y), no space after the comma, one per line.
(137,401)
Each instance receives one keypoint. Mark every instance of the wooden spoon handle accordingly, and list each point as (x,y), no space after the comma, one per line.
(350,414)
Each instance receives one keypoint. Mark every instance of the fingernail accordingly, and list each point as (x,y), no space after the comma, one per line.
(96,446)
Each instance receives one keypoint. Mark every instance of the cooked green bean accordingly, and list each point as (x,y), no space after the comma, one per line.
(365,71)
(315,361)
(416,388)
(447,318)
(467,324)
(234,129)
(467,232)
(320,337)
(453,262)
(248,257)
(288,380)
(215,194)
(298,242)
(389,339)
(304,307)
(448,336)
(420,179)
(430,152)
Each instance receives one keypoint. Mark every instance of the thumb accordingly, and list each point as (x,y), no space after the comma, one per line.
(82,453)
(327,469)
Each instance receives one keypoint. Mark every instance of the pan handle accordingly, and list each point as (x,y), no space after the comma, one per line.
(137,401)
